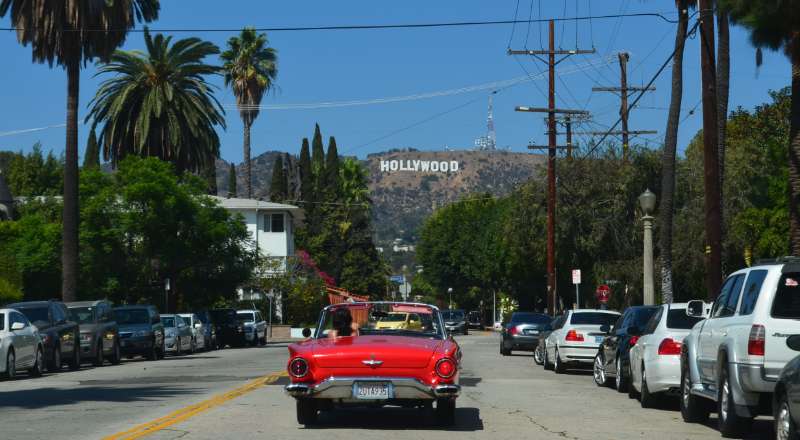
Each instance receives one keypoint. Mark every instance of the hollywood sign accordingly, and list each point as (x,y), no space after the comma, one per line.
(425,166)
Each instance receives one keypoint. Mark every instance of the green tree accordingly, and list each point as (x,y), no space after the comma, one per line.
(306,175)
(159,104)
(71,34)
(776,25)
(35,174)
(91,157)
(278,188)
(332,170)
(318,160)
(232,181)
(251,67)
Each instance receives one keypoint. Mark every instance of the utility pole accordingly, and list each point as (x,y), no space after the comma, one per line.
(710,151)
(551,111)
(623,91)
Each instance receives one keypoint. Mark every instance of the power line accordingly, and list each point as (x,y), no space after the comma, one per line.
(514,26)
(377,26)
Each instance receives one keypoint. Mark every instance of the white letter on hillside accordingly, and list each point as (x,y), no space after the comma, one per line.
(384,166)
(453,166)
(425,165)
(434,166)
(393,165)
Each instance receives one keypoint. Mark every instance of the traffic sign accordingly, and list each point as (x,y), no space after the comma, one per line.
(576,276)
(603,293)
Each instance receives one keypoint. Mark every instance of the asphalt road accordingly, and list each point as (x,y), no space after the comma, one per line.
(234,394)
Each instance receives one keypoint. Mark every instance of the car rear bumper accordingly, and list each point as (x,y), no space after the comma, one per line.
(341,389)
(664,375)
(520,342)
(578,353)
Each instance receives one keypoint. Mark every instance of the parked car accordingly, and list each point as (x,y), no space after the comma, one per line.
(140,331)
(255,327)
(399,321)
(655,361)
(474,320)
(99,334)
(60,335)
(198,330)
(544,333)
(209,330)
(20,345)
(229,330)
(612,356)
(455,321)
(350,362)
(522,332)
(576,338)
(786,403)
(177,335)
(733,359)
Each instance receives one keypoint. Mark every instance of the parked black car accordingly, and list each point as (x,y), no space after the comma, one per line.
(209,330)
(99,334)
(455,321)
(612,355)
(60,335)
(474,320)
(522,331)
(140,331)
(786,398)
(544,332)
(229,330)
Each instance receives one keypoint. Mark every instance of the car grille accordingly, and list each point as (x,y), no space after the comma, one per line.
(125,335)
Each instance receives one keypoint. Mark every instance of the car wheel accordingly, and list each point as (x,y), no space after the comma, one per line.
(178,346)
(75,362)
(55,363)
(446,411)
(11,365)
(785,428)
(646,399)
(193,346)
(98,356)
(693,409)
(504,351)
(152,355)
(538,357)
(558,365)
(38,364)
(116,356)
(599,371)
(620,381)
(547,364)
(307,412)
(730,423)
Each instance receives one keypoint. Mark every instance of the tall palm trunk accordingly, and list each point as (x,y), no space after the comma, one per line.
(247,172)
(794,150)
(723,87)
(69,242)
(668,158)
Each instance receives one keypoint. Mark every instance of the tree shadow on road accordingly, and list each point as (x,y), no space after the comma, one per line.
(761,429)
(47,397)
(391,418)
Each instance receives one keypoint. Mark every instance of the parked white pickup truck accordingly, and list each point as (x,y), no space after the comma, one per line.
(730,362)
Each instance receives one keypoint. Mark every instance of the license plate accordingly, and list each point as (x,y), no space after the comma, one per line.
(531,332)
(598,339)
(372,390)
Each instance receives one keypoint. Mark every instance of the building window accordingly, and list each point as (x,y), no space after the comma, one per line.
(277,223)
(267,223)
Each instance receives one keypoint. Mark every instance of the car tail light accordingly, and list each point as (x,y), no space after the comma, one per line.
(445,368)
(632,340)
(574,336)
(755,344)
(669,346)
(513,330)
(298,367)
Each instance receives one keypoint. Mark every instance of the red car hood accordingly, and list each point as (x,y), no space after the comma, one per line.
(393,351)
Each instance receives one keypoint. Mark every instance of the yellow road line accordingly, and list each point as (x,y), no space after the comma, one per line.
(187,412)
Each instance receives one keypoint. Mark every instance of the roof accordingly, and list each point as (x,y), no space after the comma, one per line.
(133,306)
(85,303)
(27,304)
(237,203)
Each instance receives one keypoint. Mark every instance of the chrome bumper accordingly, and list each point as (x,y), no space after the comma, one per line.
(342,389)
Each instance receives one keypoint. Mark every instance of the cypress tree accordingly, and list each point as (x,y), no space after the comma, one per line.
(232,181)
(332,170)
(278,188)
(306,174)
(318,158)
(91,157)
(210,174)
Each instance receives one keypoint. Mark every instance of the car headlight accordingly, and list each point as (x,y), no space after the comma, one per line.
(141,333)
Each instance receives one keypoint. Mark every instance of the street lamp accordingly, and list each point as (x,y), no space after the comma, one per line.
(450,292)
(647,201)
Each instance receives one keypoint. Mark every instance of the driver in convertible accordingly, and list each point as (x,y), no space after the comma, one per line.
(343,323)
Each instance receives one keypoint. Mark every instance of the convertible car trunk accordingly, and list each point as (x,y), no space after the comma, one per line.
(393,351)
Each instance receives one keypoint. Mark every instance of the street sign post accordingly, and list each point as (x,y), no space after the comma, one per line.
(576,280)
(603,294)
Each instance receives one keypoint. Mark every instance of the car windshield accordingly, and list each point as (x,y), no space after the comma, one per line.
(593,318)
(678,319)
(245,317)
(131,316)
(453,315)
(82,315)
(187,320)
(361,319)
(222,316)
(532,318)
(786,304)
(168,321)
(35,314)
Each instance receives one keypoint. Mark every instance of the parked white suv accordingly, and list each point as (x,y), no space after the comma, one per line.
(255,328)
(733,358)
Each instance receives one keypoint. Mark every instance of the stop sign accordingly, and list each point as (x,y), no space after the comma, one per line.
(603,293)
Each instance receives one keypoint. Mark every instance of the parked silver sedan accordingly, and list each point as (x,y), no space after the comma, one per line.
(20,345)
(177,335)
(198,330)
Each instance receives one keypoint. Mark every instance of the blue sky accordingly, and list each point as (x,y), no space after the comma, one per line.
(325,66)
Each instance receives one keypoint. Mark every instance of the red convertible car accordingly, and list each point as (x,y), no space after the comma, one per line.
(375,354)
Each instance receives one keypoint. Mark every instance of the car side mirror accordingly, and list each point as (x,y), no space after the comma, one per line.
(17,326)
(696,308)
(306,332)
(605,328)
(793,342)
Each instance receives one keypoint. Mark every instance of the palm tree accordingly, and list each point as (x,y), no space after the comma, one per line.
(70,34)
(159,104)
(251,67)
(775,24)
(668,157)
